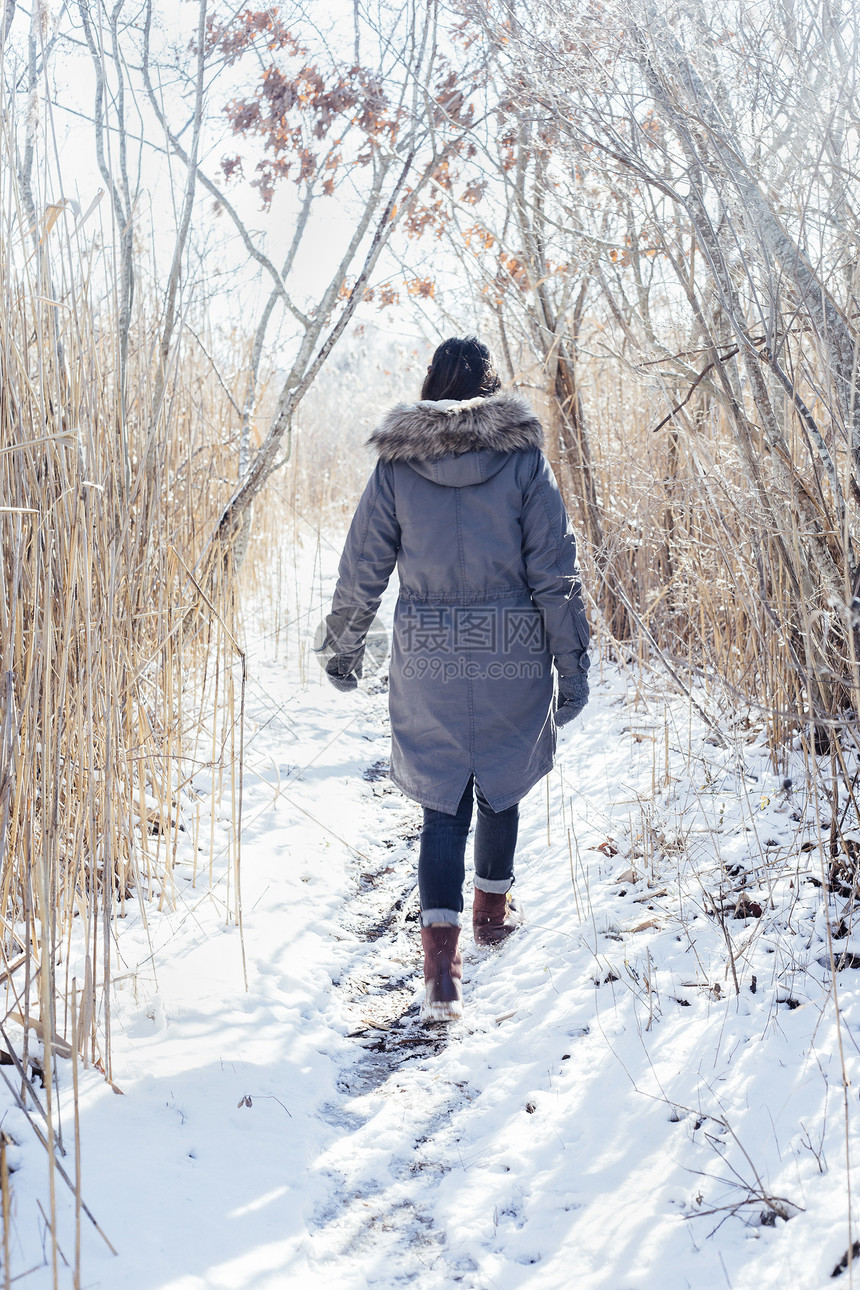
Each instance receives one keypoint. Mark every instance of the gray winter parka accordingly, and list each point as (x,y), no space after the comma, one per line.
(464,503)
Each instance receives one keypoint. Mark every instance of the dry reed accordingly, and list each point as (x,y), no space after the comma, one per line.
(121,686)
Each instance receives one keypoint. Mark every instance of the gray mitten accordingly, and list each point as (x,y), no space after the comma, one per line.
(340,672)
(573,691)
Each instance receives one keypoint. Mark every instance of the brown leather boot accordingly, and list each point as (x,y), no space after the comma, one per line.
(443,971)
(494,916)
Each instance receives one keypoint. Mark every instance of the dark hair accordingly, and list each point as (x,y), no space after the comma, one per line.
(461,368)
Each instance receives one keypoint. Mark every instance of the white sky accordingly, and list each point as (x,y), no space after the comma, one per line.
(72,173)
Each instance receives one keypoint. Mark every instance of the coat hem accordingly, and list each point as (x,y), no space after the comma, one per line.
(503,803)
(447,808)
(434,804)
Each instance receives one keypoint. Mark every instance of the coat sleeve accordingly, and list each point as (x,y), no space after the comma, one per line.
(368,559)
(549,552)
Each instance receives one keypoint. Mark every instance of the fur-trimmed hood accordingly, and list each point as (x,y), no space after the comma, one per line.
(430,430)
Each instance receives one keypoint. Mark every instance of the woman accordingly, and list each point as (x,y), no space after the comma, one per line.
(464,503)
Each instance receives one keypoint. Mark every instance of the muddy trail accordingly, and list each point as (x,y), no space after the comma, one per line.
(400,1069)
(381,992)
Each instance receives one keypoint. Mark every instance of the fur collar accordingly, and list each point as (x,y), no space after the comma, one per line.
(429,430)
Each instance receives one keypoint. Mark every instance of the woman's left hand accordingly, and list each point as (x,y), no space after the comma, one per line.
(574,694)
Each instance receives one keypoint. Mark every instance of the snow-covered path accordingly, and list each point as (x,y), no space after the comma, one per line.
(644,1091)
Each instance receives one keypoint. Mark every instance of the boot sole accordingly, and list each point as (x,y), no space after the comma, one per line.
(482,938)
(451,1011)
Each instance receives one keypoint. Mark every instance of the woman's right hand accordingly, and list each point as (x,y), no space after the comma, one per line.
(338,671)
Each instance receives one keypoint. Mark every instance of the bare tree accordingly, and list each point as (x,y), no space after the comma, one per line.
(379,133)
(8,12)
(728,161)
(104,39)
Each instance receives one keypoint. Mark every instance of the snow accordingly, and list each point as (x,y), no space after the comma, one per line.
(645,1092)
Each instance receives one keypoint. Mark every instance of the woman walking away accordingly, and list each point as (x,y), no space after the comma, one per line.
(464,503)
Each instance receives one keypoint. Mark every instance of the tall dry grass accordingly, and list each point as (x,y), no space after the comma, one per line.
(714,590)
(121,684)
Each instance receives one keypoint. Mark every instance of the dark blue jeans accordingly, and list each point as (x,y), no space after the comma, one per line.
(441,858)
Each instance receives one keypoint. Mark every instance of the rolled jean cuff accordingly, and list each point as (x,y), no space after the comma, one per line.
(498,886)
(429,916)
